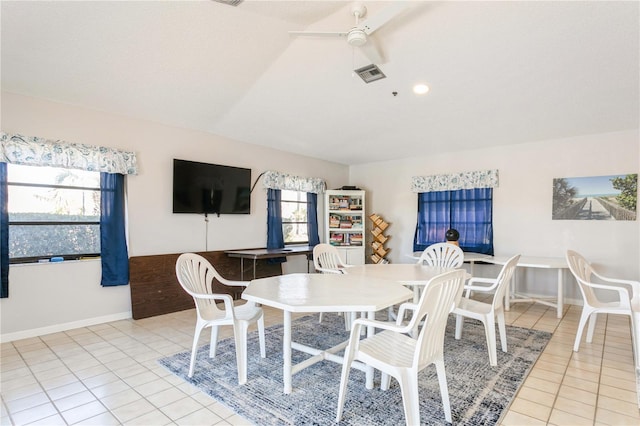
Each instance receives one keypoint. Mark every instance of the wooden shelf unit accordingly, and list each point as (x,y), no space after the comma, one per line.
(378,250)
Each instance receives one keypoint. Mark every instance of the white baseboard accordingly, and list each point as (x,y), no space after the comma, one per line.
(35,332)
(578,302)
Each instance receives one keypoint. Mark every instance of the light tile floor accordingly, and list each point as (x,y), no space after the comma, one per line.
(107,375)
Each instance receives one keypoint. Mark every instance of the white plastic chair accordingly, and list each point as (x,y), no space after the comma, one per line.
(627,303)
(445,255)
(195,275)
(396,354)
(327,260)
(487,312)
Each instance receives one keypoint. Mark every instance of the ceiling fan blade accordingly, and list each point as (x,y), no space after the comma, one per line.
(372,51)
(385,15)
(317,34)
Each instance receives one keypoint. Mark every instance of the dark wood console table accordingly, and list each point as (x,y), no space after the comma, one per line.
(263,253)
(155,289)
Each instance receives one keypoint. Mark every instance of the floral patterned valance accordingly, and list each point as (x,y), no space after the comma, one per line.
(455,181)
(34,151)
(277,180)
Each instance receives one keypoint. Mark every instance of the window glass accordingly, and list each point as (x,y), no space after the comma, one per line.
(52,212)
(294,217)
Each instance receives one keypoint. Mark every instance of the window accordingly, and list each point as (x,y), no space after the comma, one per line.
(469,211)
(294,217)
(52,212)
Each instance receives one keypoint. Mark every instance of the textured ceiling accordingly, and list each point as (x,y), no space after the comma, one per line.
(499,72)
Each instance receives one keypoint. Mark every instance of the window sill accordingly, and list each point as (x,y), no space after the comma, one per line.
(88,259)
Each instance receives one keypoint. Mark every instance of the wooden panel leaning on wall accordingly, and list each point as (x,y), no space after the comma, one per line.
(155,289)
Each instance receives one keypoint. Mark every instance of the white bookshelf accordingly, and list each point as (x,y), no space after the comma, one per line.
(344,224)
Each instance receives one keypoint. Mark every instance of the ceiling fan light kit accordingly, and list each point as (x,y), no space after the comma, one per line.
(356,37)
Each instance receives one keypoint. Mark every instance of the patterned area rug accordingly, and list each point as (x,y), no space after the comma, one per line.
(479,393)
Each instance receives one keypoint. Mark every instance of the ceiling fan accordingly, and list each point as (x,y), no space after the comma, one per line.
(358,36)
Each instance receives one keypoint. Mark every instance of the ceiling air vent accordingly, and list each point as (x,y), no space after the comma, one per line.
(229,2)
(370,73)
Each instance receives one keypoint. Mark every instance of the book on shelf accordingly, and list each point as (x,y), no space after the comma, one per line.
(334,203)
(345,224)
(345,203)
(336,239)
(355,239)
(355,204)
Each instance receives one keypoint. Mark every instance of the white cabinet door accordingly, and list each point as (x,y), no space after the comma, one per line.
(352,255)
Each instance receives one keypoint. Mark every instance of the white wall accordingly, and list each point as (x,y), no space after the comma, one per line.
(522,202)
(67,294)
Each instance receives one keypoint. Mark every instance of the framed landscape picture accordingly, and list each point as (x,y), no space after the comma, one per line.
(595,197)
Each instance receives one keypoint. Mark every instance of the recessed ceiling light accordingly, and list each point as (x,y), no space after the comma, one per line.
(420,89)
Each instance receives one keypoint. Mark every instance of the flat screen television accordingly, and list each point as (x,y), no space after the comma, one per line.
(210,188)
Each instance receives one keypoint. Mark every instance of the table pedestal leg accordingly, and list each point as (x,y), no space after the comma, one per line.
(286,352)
